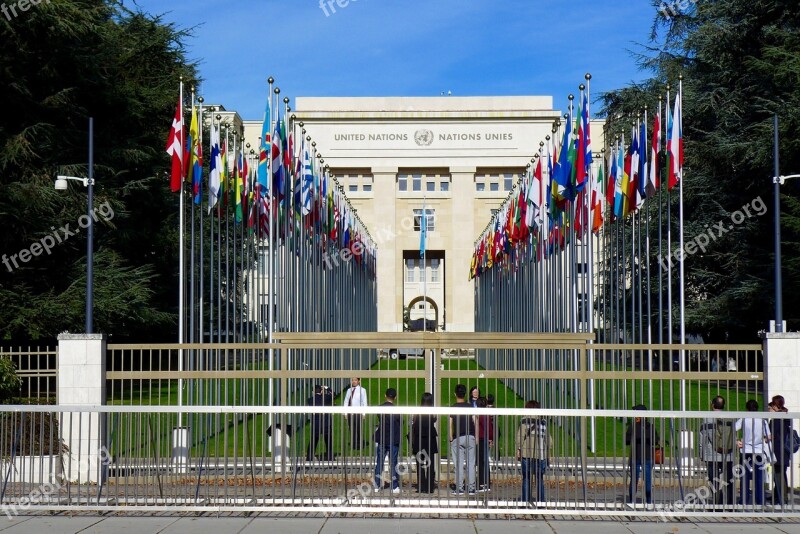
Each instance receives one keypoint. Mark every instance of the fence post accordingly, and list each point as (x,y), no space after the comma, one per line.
(82,382)
(781,362)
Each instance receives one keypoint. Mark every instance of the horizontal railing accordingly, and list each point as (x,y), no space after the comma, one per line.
(257,458)
(37,368)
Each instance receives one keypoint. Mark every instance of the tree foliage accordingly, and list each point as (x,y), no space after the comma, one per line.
(66,61)
(740,62)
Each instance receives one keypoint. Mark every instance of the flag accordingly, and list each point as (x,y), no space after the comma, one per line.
(584,155)
(534,196)
(675,145)
(612,178)
(632,164)
(277,163)
(308,181)
(263,162)
(423,234)
(214,168)
(653,183)
(562,172)
(196,155)
(598,200)
(175,149)
(643,170)
(238,173)
(621,183)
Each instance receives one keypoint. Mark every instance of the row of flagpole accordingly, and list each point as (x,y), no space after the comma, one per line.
(275,246)
(570,249)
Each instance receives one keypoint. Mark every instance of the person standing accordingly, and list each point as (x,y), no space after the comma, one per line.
(356,396)
(387,438)
(534,448)
(755,435)
(321,424)
(462,444)
(717,443)
(782,431)
(474,394)
(642,438)
(425,446)
(485,439)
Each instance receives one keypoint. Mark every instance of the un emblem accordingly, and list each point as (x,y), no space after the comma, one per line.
(423,137)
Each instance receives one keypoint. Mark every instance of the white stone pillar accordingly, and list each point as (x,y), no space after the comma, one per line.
(82,382)
(782,377)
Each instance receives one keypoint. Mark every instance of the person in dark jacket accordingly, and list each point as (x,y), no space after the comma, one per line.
(387,439)
(781,430)
(485,439)
(642,438)
(321,424)
(424,446)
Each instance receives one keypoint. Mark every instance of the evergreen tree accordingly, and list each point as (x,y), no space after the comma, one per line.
(740,61)
(64,62)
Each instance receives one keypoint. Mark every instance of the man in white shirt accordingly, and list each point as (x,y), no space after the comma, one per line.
(356,396)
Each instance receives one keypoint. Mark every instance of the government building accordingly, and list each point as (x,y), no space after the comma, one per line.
(452,160)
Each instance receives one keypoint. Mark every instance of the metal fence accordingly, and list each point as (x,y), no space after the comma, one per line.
(115,458)
(38,371)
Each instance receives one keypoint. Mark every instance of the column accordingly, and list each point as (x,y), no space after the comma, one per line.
(460,294)
(390,284)
(781,362)
(82,382)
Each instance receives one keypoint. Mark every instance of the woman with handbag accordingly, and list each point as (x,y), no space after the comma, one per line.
(781,430)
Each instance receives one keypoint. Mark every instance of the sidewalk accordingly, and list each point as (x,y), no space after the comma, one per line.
(173,524)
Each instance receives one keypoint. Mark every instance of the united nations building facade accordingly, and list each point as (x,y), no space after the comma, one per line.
(452,160)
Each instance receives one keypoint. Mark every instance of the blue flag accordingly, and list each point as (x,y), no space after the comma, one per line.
(423,233)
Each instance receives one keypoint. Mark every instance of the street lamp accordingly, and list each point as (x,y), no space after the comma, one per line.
(61,185)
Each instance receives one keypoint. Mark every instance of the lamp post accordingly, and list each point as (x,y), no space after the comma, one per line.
(61,185)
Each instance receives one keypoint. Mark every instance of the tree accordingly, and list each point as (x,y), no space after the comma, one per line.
(71,60)
(740,62)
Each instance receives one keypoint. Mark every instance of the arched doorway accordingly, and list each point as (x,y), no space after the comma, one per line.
(417,316)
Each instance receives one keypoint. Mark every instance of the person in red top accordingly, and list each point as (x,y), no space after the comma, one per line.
(485,437)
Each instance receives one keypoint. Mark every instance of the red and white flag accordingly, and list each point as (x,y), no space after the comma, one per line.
(175,149)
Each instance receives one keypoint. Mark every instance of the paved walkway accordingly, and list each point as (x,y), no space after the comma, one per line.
(173,524)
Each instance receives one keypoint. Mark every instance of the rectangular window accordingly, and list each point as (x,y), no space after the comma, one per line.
(431,216)
(431,186)
(409,270)
(508,182)
(367,187)
(434,271)
(353,188)
(422,272)
(444,186)
(416,182)
(402,182)
(480,186)
(494,186)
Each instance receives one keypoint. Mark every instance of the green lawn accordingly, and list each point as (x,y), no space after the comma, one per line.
(236,435)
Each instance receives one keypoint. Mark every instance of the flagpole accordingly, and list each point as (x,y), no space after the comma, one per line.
(181,269)
(669,234)
(681,237)
(656,164)
(590,264)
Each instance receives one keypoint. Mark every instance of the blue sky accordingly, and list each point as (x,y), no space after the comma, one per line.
(408,47)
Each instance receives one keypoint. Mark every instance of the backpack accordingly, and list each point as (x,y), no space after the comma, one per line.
(791,443)
(538,433)
(724,437)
